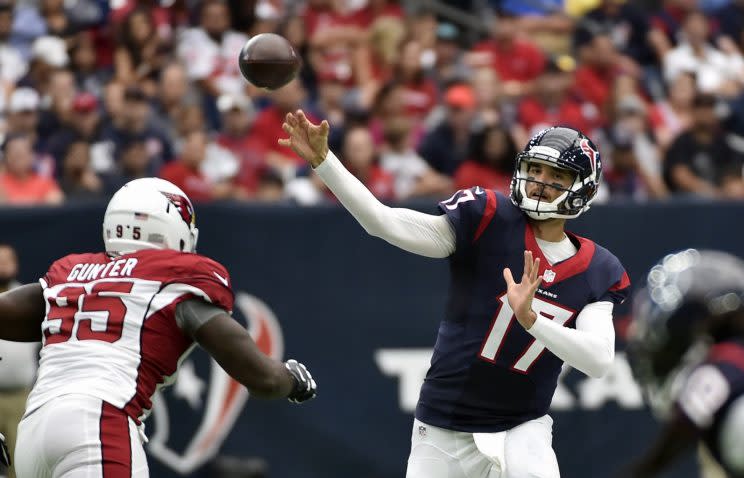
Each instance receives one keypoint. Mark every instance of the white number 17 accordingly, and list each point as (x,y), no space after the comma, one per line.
(503,322)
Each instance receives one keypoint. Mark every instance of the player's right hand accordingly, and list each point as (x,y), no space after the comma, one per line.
(308,140)
(305,387)
(4,455)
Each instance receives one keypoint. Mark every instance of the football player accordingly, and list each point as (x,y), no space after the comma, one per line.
(115,326)
(482,411)
(686,348)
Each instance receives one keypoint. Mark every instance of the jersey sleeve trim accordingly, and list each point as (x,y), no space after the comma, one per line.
(491,205)
(623,283)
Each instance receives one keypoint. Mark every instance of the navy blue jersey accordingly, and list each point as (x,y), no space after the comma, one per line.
(487,373)
(708,399)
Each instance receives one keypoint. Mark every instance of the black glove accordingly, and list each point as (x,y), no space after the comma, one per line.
(4,455)
(305,387)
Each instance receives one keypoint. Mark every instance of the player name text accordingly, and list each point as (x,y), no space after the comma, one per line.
(118,268)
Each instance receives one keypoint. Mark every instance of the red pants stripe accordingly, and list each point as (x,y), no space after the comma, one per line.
(116,449)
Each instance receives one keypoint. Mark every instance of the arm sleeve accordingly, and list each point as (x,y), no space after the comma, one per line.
(193,313)
(590,348)
(413,231)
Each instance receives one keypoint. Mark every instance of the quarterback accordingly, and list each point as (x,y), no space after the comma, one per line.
(482,411)
(115,326)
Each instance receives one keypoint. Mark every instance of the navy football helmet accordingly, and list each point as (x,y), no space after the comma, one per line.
(691,299)
(563,148)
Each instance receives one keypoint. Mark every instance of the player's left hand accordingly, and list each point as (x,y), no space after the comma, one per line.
(305,387)
(4,454)
(520,294)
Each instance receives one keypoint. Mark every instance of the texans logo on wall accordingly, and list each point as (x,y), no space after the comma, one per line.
(204,399)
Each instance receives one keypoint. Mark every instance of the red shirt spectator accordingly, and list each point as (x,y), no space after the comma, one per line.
(19,183)
(519,60)
(366,16)
(471,173)
(534,115)
(595,84)
(191,180)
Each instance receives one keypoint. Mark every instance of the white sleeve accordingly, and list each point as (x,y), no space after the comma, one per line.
(424,234)
(590,348)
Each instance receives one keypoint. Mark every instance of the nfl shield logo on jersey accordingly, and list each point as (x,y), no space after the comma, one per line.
(548,276)
(193,417)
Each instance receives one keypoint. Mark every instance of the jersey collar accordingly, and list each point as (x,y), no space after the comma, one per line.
(560,271)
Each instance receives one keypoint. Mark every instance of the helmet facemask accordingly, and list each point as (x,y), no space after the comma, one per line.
(572,201)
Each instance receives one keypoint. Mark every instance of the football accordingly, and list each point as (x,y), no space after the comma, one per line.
(269,61)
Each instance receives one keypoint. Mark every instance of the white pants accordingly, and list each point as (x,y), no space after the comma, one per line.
(79,436)
(525,451)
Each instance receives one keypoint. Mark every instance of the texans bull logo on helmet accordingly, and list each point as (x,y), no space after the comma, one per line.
(194,416)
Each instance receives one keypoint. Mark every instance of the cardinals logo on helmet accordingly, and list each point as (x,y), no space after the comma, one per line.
(183,205)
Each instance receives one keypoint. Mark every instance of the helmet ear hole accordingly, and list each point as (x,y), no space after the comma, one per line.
(183,245)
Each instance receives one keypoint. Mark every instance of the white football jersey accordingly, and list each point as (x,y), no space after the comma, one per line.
(110,328)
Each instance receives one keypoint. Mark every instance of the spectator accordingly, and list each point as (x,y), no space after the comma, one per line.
(625,177)
(12,64)
(23,118)
(716,71)
(449,65)
(730,18)
(186,172)
(89,76)
(78,180)
(19,183)
(419,92)
(360,158)
(377,60)
(413,176)
(673,114)
(516,60)
(446,146)
(387,106)
(599,66)
(270,186)
(56,105)
(267,129)
(175,93)
(48,54)
(132,161)
(632,125)
(628,26)
(141,53)
(209,51)
(490,162)
(487,91)
(18,365)
(237,117)
(84,125)
(135,118)
(554,101)
(700,161)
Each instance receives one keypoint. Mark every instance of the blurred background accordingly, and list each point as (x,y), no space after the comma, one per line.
(424,97)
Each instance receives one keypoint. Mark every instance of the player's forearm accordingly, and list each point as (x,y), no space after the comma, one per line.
(413,231)
(21,313)
(591,350)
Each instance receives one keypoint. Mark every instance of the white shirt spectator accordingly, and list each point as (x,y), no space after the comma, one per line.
(205,58)
(712,69)
(12,65)
(406,167)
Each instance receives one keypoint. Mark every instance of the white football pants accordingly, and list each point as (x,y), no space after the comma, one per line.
(525,451)
(79,436)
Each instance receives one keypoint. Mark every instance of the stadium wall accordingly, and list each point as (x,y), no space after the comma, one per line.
(363,316)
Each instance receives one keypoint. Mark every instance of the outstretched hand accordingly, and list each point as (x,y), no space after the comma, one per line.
(308,140)
(520,294)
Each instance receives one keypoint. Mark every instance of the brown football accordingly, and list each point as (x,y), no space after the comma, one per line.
(269,61)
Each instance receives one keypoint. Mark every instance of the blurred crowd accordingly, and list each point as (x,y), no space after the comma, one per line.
(423,98)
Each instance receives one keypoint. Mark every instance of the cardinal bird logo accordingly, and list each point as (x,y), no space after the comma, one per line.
(183,206)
